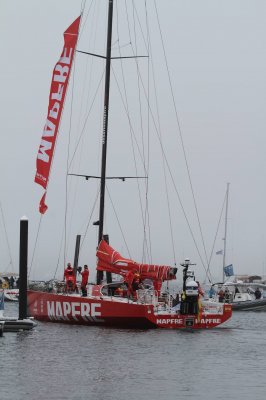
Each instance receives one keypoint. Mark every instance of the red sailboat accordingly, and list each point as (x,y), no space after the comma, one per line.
(136,300)
(129,308)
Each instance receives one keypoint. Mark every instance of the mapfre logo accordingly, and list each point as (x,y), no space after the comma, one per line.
(73,310)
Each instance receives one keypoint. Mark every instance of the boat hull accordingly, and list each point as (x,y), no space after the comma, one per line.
(11,294)
(252,305)
(16,325)
(108,311)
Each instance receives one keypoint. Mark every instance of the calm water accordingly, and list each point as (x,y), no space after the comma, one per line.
(66,362)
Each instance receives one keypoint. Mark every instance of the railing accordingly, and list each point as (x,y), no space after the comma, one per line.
(147,296)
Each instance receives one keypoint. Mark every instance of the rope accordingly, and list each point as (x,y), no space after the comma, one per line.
(125,103)
(9,250)
(116,215)
(87,226)
(180,134)
(160,133)
(35,245)
(215,237)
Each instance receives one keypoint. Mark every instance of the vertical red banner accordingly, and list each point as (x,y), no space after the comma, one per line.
(58,89)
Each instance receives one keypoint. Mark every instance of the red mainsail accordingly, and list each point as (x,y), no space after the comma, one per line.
(111,261)
(58,89)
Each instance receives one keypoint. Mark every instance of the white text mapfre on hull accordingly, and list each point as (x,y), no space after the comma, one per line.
(180,321)
(65,311)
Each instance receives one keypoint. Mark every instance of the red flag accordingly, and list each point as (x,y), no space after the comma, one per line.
(58,88)
(43,207)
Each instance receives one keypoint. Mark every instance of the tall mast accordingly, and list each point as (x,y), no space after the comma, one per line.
(225,227)
(105,125)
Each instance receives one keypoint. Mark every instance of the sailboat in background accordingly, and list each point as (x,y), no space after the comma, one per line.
(244,295)
(113,303)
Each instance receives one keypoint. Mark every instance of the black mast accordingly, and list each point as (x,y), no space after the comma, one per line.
(105,127)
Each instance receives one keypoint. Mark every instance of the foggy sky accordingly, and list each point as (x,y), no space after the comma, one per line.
(217,61)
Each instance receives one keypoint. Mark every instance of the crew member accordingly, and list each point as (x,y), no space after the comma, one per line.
(84,281)
(128,281)
(11,282)
(133,282)
(257,294)
(70,278)
(136,285)
(226,295)
(221,296)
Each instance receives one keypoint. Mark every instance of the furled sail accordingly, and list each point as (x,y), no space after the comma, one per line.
(58,89)
(110,260)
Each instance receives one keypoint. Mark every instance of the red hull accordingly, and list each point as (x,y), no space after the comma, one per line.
(73,309)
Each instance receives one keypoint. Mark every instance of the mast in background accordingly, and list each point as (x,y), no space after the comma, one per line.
(105,129)
(225,228)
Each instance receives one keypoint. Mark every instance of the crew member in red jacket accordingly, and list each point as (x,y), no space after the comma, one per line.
(70,278)
(133,281)
(84,281)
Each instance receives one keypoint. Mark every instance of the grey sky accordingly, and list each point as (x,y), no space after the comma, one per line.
(217,60)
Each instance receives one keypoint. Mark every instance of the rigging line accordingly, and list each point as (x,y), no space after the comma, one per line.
(117,219)
(67,165)
(83,101)
(121,46)
(128,25)
(87,16)
(126,99)
(86,119)
(172,178)
(7,269)
(59,255)
(89,221)
(180,133)
(90,77)
(125,103)
(160,133)
(141,30)
(35,244)
(147,215)
(142,130)
(4,224)
(219,222)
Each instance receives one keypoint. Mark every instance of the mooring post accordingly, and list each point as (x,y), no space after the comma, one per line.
(2,323)
(23,268)
(76,258)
